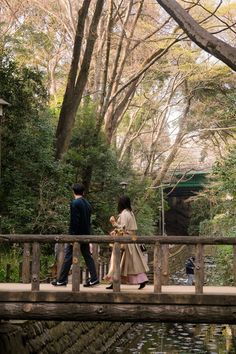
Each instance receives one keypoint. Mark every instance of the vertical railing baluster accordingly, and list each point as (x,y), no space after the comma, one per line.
(81,275)
(60,254)
(116,274)
(8,272)
(84,277)
(76,267)
(35,279)
(165,264)
(20,272)
(157,267)
(102,270)
(199,269)
(95,250)
(26,264)
(234,264)
(100,273)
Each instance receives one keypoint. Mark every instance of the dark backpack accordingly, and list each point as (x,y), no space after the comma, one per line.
(189,264)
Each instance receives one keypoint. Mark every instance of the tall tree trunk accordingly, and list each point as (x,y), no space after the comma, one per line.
(205,40)
(104,72)
(77,80)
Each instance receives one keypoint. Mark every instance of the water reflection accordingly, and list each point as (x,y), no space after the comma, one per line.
(164,338)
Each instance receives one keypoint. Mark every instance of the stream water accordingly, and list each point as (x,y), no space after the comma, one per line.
(174,338)
(178,338)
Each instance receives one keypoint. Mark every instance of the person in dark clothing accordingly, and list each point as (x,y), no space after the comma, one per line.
(80,215)
(189,266)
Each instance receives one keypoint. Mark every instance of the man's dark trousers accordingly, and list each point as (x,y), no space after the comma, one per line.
(85,250)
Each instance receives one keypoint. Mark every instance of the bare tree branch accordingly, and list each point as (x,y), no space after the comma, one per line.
(205,40)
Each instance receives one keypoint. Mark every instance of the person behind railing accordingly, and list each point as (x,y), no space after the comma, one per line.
(189,267)
(80,220)
(133,264)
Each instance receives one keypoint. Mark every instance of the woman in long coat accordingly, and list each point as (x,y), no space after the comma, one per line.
(133,264)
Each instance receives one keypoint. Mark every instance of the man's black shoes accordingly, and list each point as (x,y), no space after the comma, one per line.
(58,283)
(110,286)
(64,283)
(91,283)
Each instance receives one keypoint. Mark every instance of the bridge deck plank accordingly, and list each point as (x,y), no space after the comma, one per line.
(175,303)
(171,294)
(182,289)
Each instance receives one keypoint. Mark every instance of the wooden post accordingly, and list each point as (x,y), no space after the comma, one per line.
(26,264)
(81,275)
(102,270)
(60,257)
(8,272)
(105,268)
(157,267)
(116,274)
(234,264)
(199,269)
(20,272)
(76,267)
(35,280)
(95,248)
(165,264)
(100,273)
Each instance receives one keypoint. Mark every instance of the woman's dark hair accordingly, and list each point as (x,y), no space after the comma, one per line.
(124,203)
(78,189)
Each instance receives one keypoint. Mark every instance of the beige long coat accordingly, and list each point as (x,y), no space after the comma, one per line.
(132,260)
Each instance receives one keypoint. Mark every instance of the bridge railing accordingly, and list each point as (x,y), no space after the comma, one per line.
(160,249)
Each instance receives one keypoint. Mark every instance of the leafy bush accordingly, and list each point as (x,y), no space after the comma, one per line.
(96,165)
(214,214)
(34,185)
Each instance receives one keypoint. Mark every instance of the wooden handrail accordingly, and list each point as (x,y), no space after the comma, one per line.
(159,249)
(188,240)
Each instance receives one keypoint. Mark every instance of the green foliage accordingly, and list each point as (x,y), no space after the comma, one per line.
(146,211)
(33,185)
(200,210)
(223,194)
(223,275)
(213,101)
(11,259)
(215,210)
(89,149)
(225,172)
(219,219)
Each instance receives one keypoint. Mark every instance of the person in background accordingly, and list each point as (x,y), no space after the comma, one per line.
(133,264)
(80,220)
(189,267)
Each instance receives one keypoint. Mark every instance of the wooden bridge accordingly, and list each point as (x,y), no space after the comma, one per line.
(157,302)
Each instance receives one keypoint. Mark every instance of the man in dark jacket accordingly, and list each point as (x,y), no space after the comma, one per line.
(80,215)
(189,266)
